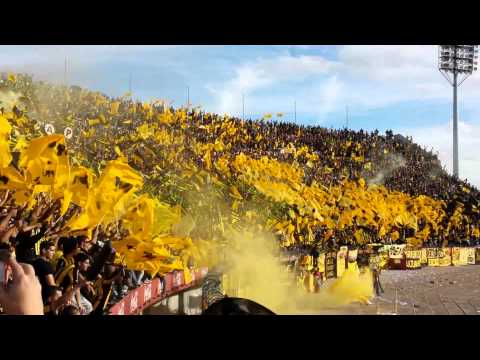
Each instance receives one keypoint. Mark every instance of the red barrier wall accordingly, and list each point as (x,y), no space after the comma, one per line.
(152,292)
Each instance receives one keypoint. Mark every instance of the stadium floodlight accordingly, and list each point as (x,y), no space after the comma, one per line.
(457,63)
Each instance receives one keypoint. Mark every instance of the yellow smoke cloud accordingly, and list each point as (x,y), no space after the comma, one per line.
(255,272)
(8,99)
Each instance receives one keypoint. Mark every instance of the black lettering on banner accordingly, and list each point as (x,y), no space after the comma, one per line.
(148,255)
(331,265)
(61,150)
(413,263)
(49,129)
(432,253)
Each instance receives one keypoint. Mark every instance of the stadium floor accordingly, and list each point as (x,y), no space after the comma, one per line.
(452,290)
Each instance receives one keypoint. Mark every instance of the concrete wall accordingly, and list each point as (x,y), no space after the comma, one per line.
(192,304)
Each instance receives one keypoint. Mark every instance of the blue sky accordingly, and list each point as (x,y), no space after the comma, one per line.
(384,87)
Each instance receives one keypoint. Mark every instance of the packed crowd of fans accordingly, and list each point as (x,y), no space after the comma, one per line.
(391,160)
(77,275)
(165,144)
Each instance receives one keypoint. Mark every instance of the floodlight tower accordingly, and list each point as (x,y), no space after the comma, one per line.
(461,62)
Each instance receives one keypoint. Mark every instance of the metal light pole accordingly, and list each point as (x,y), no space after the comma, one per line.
(295,110)
(346,116)
(65,73)
(457,60)
(130,84)
(243,107)
(455,125)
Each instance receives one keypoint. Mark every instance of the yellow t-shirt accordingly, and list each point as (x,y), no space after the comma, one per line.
(301,280)
(311,283)
(58,255)
(188,275)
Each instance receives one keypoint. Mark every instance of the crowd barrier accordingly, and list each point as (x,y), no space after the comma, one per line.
(156,290)
(394,257)
(397,257)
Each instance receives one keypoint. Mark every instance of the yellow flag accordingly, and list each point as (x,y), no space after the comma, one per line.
(188,275)
(118,151)
(5,156)
(11,179)
(144,131)
(115,187)
(5,129)
(21,144)
(405,219)
(81,182)
(93,122)
(107,200)
(165,217)
(87,220)
(234,193)
(12,78)
(41,158)
(46,165)
(114,107)
(67,198)
(139,218)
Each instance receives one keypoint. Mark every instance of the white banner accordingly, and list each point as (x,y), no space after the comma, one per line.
(68,133)
(49,129)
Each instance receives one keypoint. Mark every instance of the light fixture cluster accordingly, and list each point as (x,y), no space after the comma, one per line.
(458,58)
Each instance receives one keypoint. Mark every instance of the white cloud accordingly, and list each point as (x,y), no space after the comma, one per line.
(262,74)
(47,62)
(393,74)
(440,138)
(373,76)
(84,53)
(365,77)
(368,77)
(362,77)
(324,98)
(389,63)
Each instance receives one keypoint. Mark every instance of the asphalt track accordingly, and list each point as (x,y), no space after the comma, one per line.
(451,290)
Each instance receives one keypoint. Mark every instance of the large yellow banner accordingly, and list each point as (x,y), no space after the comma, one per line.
(444,257)
(413,254)
(456,256)
(431,253)
(321,265)
(330,265)
(414,263)
(433,262)
(341,260)
(413,259)
(464,256)
(471,256)
(353,254)
(396,251)
(424,258)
